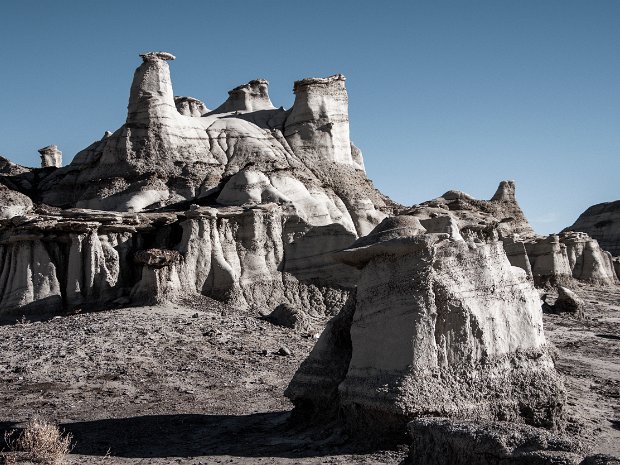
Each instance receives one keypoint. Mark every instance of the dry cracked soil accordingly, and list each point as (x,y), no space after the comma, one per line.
(198,382)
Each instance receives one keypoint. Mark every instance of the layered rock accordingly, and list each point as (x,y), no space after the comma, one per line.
(270,214)
(50,157)
(250,97)
(499,217)
(190,106)
(317,127)
(547,259)
(602,222)
(440,326)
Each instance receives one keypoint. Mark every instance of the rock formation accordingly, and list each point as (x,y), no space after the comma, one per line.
(602,222)
(440,326)
(189,106)
(252,214)
(50,156)
(440,441)
(547,259)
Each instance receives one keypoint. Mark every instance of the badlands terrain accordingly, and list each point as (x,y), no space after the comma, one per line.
(199,382)
(228,286)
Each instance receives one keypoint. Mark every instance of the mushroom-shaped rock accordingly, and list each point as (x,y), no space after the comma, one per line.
(440,325)
(151,56)
(190,106)
(50,156)
(252,96)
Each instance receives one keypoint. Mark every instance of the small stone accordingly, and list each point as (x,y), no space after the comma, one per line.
(195,315)
(285,351)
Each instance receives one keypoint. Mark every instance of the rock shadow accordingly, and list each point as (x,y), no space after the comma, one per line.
(269,434)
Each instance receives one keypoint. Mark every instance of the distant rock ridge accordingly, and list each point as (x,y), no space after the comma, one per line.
(602,222)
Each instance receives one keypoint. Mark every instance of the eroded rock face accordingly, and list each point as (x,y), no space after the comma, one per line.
(441,441)
(548,260)
(430,312)
(270,213)
(189,106)
(250,97)
(499,217)
(50,157)
(602,222)
(13,203)
(318,125)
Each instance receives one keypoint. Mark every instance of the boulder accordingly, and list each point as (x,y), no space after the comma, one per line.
(289,316)
(569,302)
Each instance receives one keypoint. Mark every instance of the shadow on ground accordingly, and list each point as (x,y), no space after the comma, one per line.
(194,435)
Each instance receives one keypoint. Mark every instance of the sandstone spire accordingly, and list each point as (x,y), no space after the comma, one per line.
(318,126)
(151,90)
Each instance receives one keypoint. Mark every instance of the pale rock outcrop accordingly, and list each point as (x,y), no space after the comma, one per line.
(505,192)
(190,106)
(163,156)
(250,97)
(160,280)
(587,260)
(430,312)
(317,127)
(548,260)
(441,441)
(602,222)
(50,157)
(501,216)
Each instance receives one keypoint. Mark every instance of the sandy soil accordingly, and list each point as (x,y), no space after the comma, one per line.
(201,383)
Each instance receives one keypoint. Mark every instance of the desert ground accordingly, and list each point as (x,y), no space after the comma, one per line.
(198,382)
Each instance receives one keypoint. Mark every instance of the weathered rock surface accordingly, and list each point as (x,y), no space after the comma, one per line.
(13,203)
(440,441)
(50,157)
(190,106)
(602,222)
(547,259)
(569,302)
(264,214)
(440,325)
(289,317)
(499,217)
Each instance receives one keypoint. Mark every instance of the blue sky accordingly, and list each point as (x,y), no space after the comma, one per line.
(443,95)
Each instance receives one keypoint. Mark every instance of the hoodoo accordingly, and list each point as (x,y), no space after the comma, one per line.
(440,327)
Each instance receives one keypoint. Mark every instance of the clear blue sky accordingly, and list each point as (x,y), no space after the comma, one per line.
(443,95)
